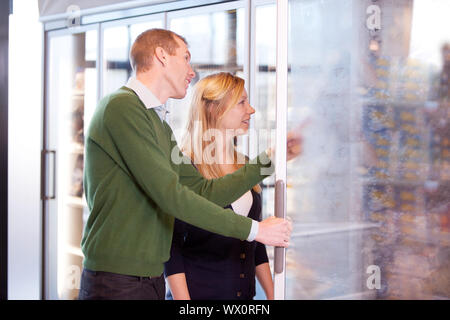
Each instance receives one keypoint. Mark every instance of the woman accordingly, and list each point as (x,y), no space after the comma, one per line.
(204,265)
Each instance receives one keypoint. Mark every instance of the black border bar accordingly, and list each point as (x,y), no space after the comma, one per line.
(5,10)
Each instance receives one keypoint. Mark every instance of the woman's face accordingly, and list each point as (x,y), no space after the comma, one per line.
(237,118)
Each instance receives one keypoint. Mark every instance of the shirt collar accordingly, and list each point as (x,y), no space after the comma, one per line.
(147,97)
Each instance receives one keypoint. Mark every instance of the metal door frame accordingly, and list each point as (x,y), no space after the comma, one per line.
(281,135)
(47,260)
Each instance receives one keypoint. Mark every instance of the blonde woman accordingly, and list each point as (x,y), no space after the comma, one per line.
(204,265)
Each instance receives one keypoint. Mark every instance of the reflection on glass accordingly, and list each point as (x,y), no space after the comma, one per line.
(265,75)
(72,90)
(370,196)
(216,43)
(117,44)
(263,99)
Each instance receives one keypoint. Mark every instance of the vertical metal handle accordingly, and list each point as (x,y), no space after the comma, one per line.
(279,213)
(53,171)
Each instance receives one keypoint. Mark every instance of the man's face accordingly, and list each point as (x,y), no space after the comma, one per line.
(180,72)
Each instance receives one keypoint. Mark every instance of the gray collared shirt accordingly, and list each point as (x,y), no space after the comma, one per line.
(147,97)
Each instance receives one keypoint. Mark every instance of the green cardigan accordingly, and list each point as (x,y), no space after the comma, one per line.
(134,190)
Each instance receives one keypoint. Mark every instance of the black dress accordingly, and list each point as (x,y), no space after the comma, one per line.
(216,267)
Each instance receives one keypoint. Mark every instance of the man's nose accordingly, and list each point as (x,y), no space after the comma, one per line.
(191,72)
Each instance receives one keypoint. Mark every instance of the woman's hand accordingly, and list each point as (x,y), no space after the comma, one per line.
(178,286)
(294,143)
(265,279)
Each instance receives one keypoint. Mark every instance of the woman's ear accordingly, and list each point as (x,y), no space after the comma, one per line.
(161,56)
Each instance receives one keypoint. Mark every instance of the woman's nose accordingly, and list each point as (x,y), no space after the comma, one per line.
(250,109)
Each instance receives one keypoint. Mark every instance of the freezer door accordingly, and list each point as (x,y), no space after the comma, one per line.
(281,135)
(71,91)
(369,197)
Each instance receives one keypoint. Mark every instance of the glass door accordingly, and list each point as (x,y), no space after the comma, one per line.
(118,36)
(369,197)
(263,99)
(71,97)
(71,89)
(216,38)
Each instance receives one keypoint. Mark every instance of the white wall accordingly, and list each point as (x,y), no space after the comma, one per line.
(25,118)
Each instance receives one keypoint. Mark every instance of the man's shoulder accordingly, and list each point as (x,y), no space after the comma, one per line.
(113,107)
(122,94)
(119,101)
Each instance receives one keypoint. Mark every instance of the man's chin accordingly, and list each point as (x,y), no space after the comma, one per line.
(180,95)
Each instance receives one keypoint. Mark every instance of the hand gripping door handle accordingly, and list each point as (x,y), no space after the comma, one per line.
(279,213)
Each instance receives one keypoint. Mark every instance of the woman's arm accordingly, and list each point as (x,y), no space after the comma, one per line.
(265,279)
(178,286)
(174,267)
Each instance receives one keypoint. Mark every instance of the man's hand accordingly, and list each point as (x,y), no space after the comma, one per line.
(274,232)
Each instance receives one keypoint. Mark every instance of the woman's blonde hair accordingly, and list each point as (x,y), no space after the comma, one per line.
(213,96)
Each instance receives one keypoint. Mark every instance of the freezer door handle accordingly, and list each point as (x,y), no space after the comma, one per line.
(51,178)
(279,213)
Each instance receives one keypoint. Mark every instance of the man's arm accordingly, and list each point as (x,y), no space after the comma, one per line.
(227,189)
(150,167)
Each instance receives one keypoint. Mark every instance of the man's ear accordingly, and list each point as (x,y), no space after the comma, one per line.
(161,56)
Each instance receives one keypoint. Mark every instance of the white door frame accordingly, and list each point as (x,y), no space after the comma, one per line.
(281,135)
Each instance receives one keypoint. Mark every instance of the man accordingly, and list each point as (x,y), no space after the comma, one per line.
(133,189)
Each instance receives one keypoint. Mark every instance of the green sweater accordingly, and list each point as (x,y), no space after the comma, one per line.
(134,190)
